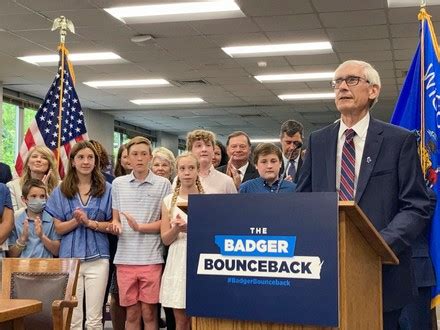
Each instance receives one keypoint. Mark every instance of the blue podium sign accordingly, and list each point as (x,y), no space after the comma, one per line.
(264,257)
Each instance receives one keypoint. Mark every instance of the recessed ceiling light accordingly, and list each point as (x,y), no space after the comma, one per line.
(312,76)
(265,140)
(173,12)
(79,58)
(126,83)
(181,100)
(409,3)
(307,96)
(279,49)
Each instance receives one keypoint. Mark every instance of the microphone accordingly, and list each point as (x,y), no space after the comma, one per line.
(296,145)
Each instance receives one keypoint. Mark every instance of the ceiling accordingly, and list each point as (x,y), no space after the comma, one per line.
(191,50)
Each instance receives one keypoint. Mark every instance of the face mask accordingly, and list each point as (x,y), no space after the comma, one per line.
(36,205)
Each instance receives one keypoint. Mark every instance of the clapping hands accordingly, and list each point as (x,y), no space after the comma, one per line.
(179,223)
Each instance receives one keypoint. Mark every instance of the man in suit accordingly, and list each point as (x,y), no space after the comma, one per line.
(418,313)
(375,164)
(238,148)
(291,138)
(5,173)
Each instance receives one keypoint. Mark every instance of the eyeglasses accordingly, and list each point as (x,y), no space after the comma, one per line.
(350,81)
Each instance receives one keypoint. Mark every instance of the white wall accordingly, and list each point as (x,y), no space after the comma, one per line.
(169,141)
(100,127)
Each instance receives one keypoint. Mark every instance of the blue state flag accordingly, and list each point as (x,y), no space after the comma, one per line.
(418,109)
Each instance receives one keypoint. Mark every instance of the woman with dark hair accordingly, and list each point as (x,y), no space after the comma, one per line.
(220,156)
(81,207)
(104,160)
(122,166)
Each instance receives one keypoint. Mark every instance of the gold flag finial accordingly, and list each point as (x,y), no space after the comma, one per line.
(63,24)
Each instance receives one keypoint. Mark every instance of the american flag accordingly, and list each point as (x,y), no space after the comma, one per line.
(44,128)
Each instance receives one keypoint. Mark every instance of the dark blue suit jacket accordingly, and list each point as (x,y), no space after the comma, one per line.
(390,191)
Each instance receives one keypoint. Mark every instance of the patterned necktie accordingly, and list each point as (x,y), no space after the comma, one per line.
(291,171)
(346,189)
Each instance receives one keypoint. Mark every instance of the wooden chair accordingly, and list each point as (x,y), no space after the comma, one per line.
(52,281)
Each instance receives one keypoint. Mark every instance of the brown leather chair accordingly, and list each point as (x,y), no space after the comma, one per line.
(52,281)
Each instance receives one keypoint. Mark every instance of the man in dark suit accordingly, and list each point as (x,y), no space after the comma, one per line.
(418,313)
(291,138)
(375,164)
(5,173)
(238,148)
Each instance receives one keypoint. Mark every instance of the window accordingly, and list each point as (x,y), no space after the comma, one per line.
(8,143)
(28,116)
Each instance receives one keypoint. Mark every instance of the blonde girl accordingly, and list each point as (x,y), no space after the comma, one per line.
(173,233)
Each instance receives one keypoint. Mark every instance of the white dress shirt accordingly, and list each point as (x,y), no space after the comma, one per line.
(361,129)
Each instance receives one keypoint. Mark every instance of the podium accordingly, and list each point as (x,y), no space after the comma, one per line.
(361,252)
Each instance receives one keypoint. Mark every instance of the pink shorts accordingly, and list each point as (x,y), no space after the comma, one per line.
(138,283)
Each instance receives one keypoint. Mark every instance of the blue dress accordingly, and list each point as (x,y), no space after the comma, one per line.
(5,201)
(5,198)
(82,242)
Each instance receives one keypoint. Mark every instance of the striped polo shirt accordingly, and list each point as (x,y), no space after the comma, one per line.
(143,200)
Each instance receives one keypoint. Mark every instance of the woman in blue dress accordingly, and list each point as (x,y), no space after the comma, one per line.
(81,207)
(6,218)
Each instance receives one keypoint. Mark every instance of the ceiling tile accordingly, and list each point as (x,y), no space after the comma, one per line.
(225,26)
(288,22)
(354,18)
(275,7)
(359,33)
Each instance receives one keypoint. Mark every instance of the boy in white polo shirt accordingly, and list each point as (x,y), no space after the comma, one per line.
(136,200)
(201,144)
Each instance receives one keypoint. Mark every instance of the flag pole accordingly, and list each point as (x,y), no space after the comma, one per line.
(63,24)
(422,17)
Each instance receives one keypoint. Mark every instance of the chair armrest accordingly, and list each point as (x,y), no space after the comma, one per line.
(57,312)
(60,304)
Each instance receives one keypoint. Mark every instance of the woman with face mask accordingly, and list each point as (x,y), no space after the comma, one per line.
(82,209)
(39,164)
(34,233)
